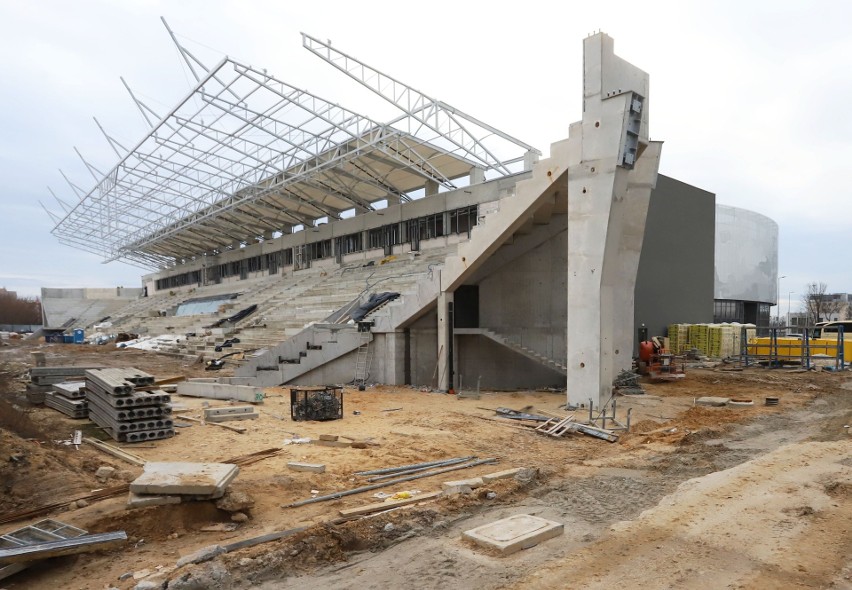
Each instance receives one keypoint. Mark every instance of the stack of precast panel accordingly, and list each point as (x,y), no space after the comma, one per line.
(125,403)
(69,398)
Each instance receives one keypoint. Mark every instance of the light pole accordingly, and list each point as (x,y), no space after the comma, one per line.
(787,331)
(778,302)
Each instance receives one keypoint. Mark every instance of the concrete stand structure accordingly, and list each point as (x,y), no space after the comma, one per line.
(505,268)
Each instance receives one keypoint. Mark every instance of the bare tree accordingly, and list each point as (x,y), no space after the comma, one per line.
(818,304)
(19,310)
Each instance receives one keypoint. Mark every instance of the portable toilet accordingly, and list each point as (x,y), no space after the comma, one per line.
(79,336)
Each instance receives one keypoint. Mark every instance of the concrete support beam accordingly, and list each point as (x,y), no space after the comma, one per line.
(609,187)
(444,341)
(431,187)
(530,158)
(477,176)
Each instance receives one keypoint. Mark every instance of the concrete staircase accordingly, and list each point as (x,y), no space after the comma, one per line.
(506,341)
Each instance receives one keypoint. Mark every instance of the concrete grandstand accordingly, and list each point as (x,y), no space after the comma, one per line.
(255,194)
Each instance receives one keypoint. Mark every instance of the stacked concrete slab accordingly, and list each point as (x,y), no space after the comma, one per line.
(68,397)
(175,482)
(125,403)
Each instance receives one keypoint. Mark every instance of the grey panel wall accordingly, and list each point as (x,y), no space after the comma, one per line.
(675,278)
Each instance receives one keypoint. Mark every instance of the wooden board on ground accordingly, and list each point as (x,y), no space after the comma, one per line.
(378,506)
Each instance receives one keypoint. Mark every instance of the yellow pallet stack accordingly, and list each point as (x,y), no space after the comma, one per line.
(714,340)
(678,338)
(698,337)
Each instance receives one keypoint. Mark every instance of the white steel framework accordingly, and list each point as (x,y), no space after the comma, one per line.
(244,155)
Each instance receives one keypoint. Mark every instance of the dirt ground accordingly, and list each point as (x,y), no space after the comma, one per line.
(693,497)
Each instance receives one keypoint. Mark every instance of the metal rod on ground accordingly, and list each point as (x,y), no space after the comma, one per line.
(412,466)
(414,470)
(385,484)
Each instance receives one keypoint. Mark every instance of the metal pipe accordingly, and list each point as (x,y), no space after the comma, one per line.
(413,465)
(376,486)
(418,469)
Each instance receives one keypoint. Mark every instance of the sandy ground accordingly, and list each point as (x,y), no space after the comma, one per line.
(750,497)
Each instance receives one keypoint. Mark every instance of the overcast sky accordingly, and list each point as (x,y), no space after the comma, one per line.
(752,99)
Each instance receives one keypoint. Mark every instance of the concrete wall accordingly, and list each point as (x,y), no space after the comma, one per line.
(675,278)
(746,256)
(526,299)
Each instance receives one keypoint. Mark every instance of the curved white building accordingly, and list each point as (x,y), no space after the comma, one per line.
(746,266)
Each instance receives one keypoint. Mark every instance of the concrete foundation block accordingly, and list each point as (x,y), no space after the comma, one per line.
(505,474)
(228,411)
(230,417)
(515,533)
(143,500)
(309,467)
(712,401)
(190,479)
(455,490)
(221,391)
(461,484)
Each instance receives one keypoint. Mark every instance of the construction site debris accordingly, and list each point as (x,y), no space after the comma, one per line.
(520,415)
(144,500)
(115,452)
(391,482)
(50,538)
(321,404)
(309,467)
(235,501)
(238,429)
(202,555)
(505,474)
(212,390)
(462,486)
(389,504)
(243,313)
(401,468)
(627,383)
(712,401)
(376,300)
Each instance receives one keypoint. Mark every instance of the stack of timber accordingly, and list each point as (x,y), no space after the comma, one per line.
(68,397)
(125,403)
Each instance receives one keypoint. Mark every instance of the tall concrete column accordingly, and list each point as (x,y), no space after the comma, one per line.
(477,176)
(607,207)
(444,343)
(431,187)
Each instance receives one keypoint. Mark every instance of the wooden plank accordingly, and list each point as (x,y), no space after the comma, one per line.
(169,380)
(239,429)
(115,452)
(378,506)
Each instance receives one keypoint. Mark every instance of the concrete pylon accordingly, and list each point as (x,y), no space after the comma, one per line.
(612,169)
